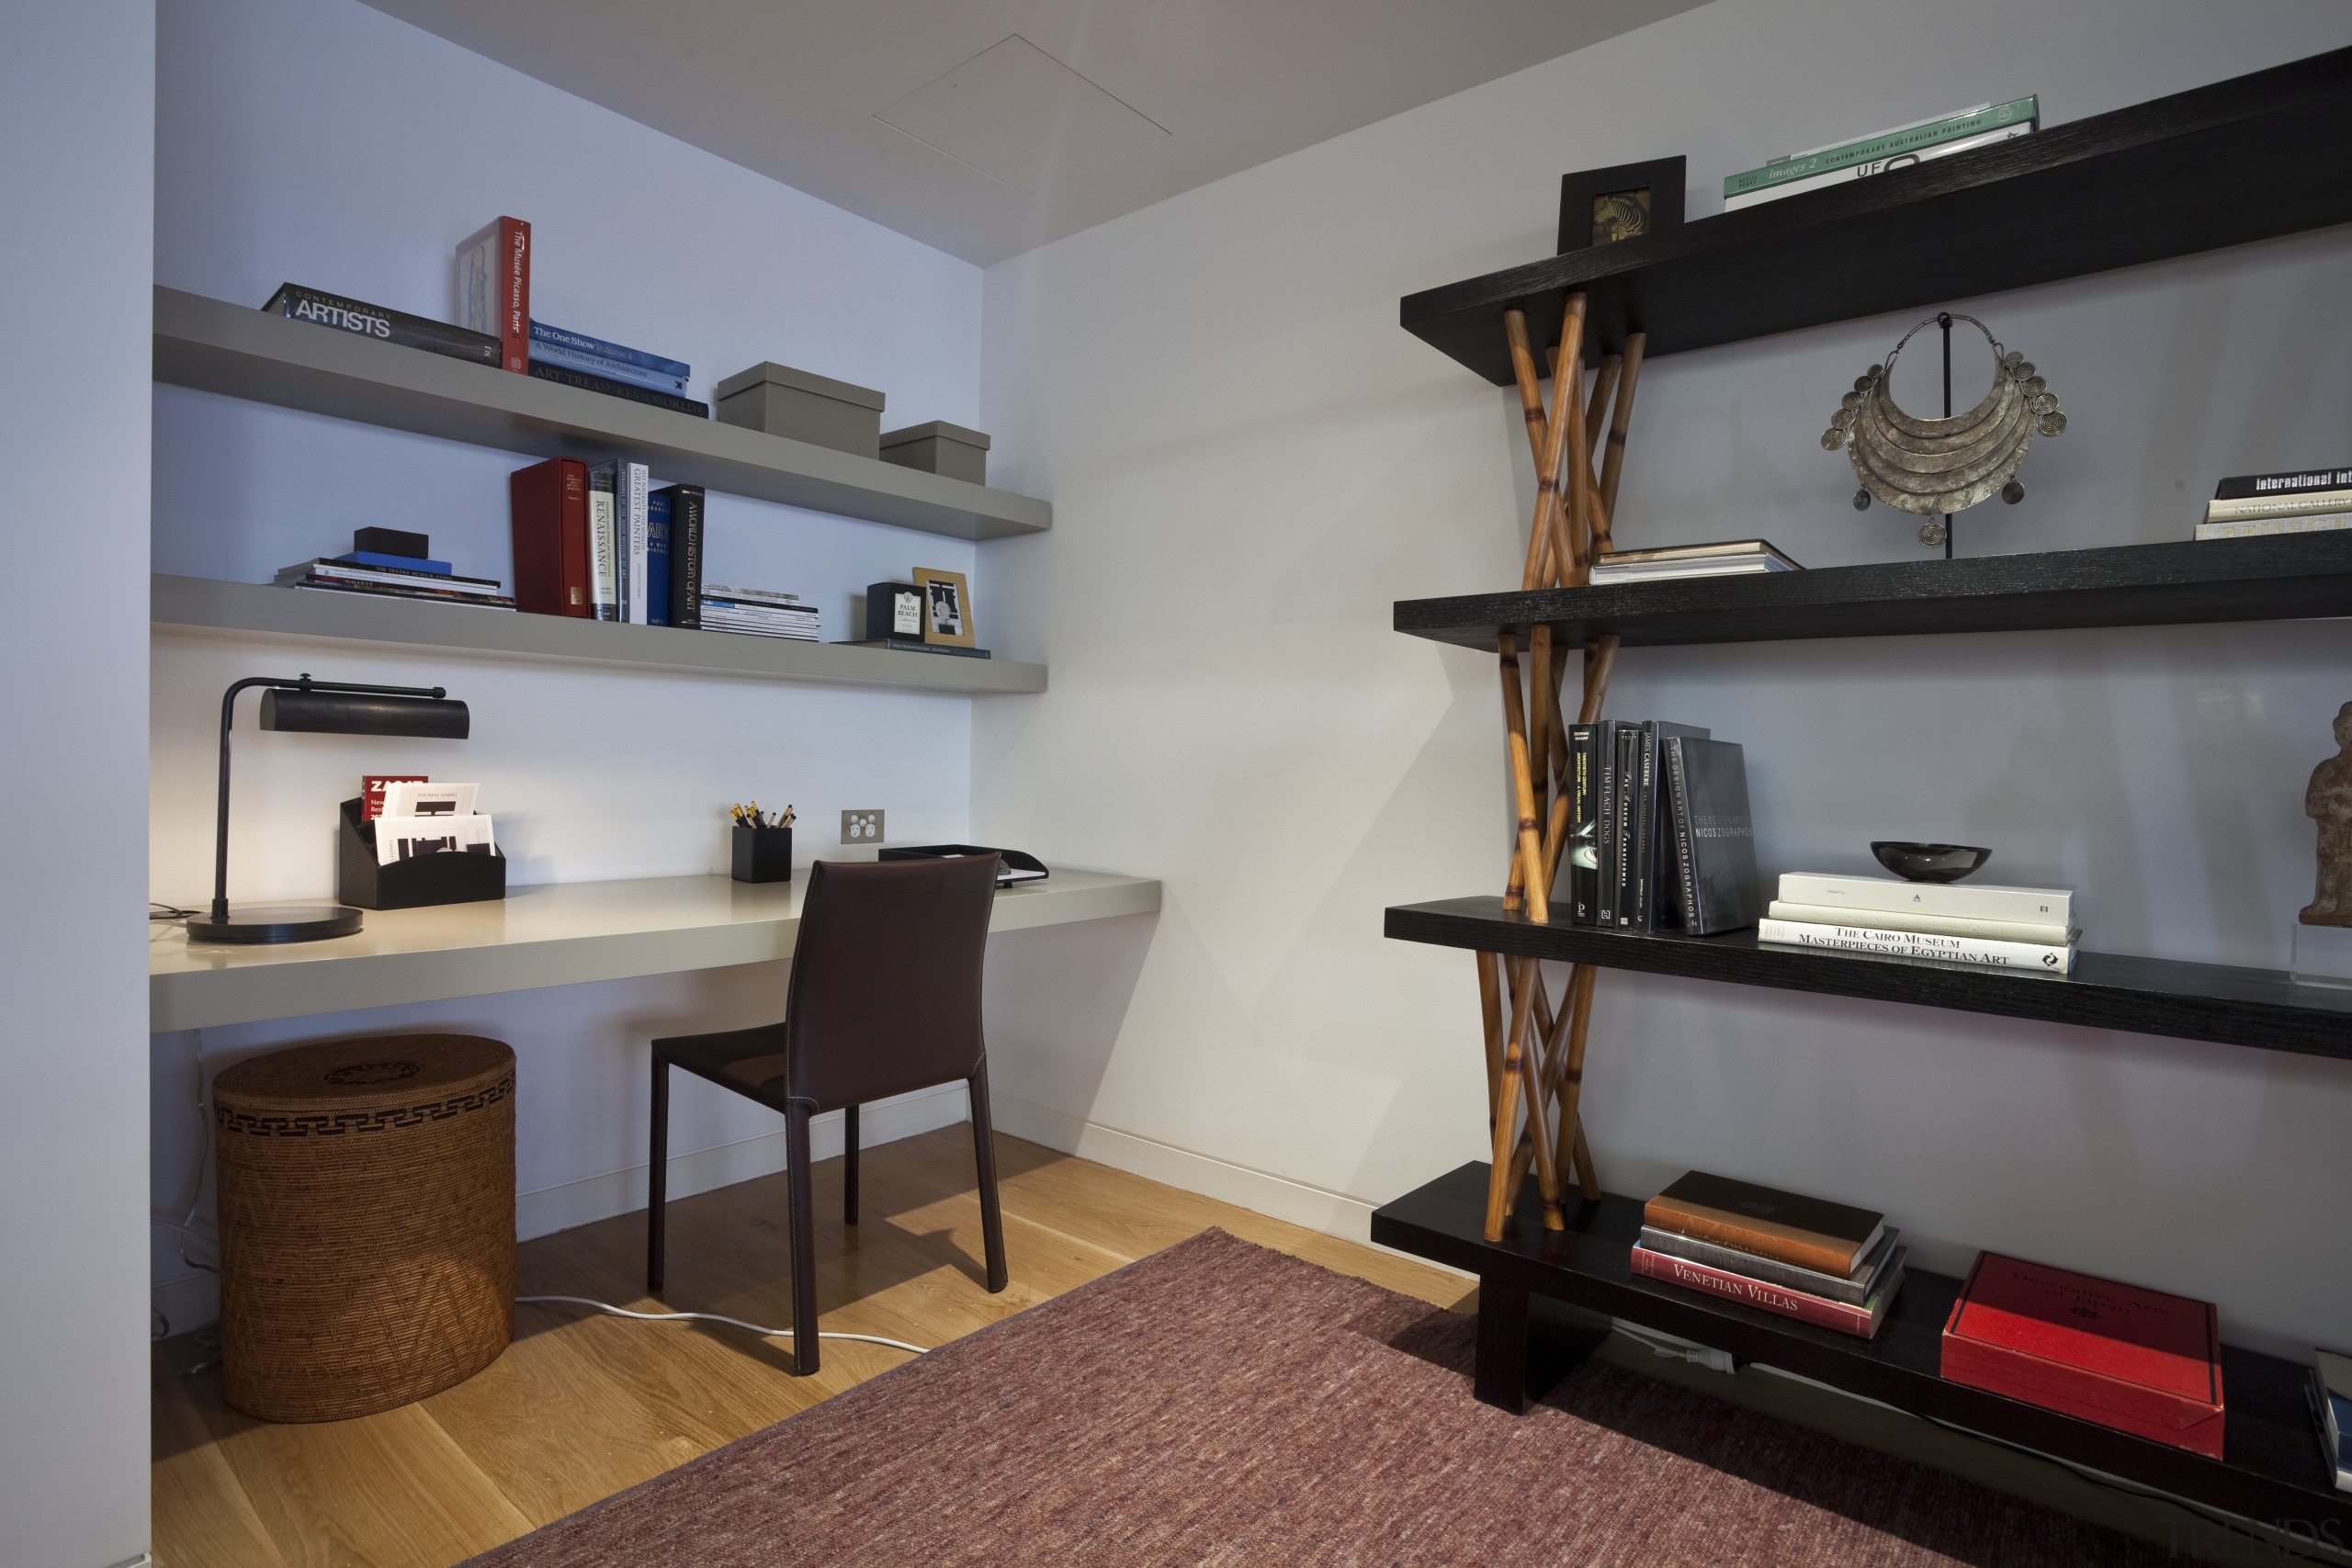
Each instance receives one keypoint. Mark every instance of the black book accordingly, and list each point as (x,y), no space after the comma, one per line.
(1583,848)
(1714,841)
(1654,906)
(686,502)
(2292,481)
(321,309)
(589,382)
(1604,827)
(1620,895)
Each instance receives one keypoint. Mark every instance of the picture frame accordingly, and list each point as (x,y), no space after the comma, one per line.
(947,608)
(1624,201)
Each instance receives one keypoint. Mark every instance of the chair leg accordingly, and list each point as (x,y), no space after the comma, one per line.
(849,1166)
(657,1179)
(804,1241)
(984,1156)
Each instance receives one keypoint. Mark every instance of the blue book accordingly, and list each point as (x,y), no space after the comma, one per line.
(614,353)
(398,563)
(610,369)
(656,558)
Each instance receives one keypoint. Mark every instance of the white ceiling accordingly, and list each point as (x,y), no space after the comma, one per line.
(988,127)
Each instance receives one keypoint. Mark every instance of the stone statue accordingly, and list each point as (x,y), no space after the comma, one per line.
(2329,802)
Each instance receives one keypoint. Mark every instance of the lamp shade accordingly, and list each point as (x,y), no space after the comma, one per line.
(363,713)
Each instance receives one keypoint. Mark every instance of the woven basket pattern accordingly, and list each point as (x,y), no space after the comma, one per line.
(366,1206)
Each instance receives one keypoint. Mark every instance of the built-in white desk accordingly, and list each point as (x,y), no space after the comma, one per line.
(557,935)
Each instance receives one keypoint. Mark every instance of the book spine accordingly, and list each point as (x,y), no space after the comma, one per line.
(2263,527)
(656,560)
(334,571)
(1644,852)
(1604,828)
(534,521)
(1821,1314)
(546,336)
(612,369)
(494,287)
(1934,925)
(1851,1289)
(2254,506)
(574,544)
(612,388)
(322,309)
(1886,145)
(1677,787)
(394,590)
(629,505)
(1742,1236)
(1584,880)
(1874,167)
(397,563)
(686,503)
(603,541)
(1620,896)
(2031,906)
(2238,487)
(2039,956)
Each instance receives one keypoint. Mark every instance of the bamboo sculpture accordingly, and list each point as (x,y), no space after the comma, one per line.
(1535,1052)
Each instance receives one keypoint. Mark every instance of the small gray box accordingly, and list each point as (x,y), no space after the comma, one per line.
(939,447)
(804,406)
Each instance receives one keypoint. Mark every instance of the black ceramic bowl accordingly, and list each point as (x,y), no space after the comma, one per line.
(1928,863)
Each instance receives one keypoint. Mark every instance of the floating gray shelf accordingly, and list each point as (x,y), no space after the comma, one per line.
(204,605)
(215,347)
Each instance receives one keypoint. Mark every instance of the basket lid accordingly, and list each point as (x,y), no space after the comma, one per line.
(369,1073)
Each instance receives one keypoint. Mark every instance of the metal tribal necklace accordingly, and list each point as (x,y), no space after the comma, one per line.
(1935,466)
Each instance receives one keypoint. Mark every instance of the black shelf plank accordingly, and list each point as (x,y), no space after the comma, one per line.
(2271,1469)
(2251,158)
(2231,1006)
(2282,577)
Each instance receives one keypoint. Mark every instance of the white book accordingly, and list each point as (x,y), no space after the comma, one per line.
(632,493)
(2310,501)
(416,797)
(1848,175)
(405,838)
(2038,956)
(1979,901)
(2258,527)
(603,543)
(1934,925)
(1654,571)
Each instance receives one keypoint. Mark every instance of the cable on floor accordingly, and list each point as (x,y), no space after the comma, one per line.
(713,1318)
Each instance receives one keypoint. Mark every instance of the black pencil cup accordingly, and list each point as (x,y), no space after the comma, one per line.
(763,854)
(459,877)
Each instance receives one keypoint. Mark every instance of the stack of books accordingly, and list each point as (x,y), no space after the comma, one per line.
(1842,163)
(1660,838)
(395,564)
(2302,501)
(1824,1263)
(1736,558)
(763,612)
(2000,928)
(2331,1399)
(601,544)
(593,365)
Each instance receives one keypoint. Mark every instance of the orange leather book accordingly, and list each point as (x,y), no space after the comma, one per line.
(1812,1233)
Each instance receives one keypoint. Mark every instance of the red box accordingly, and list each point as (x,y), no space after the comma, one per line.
(2135,1359)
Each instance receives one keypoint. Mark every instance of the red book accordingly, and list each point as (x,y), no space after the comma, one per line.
(494,289)
(2136,1359)
(1862,1321)
(548,507)
(371,791)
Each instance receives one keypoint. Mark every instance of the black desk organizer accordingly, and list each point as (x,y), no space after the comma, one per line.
(453,879)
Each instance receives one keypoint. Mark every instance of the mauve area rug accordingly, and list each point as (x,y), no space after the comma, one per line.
(1221,1404)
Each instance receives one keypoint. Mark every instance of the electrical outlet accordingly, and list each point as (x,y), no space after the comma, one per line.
(861,827)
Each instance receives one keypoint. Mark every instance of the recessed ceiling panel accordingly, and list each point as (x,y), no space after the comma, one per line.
(1016,114)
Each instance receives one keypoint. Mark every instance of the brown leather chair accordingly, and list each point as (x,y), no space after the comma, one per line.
(885,999)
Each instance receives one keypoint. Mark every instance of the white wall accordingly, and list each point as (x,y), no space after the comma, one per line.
(323,142)
(77,183)
(1249,462)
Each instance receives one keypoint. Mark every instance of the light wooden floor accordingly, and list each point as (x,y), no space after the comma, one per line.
(582,1406)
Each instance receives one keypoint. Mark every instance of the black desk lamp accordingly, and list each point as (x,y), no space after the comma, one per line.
(315,708)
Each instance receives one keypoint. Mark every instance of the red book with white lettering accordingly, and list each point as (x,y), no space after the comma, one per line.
(2122,1356)
(1862,1321)
(494,288)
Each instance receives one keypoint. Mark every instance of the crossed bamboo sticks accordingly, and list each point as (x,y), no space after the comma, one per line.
(1535,1053)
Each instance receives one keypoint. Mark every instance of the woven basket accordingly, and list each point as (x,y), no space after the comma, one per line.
(367,1202)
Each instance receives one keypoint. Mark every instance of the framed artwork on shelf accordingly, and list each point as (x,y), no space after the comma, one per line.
(1598,207)
(946,608)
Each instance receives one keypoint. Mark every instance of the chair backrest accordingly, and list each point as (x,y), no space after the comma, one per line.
(886,978)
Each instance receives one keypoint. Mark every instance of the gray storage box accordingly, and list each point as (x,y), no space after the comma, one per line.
(804,406)
(939,447)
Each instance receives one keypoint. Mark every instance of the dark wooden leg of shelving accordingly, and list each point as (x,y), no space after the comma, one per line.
(1527,1343)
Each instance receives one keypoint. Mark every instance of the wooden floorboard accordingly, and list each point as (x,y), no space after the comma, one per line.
(584,1405)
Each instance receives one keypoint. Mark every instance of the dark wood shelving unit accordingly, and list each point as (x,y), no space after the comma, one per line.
(2283,577)
(2251,158)
(2271,1470)
(2261,1007)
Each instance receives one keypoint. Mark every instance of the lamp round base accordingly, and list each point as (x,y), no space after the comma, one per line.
(255,924)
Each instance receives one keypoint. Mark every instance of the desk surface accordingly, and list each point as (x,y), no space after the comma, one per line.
(556,934)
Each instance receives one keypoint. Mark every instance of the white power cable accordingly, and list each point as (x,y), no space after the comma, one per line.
(714,1318)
